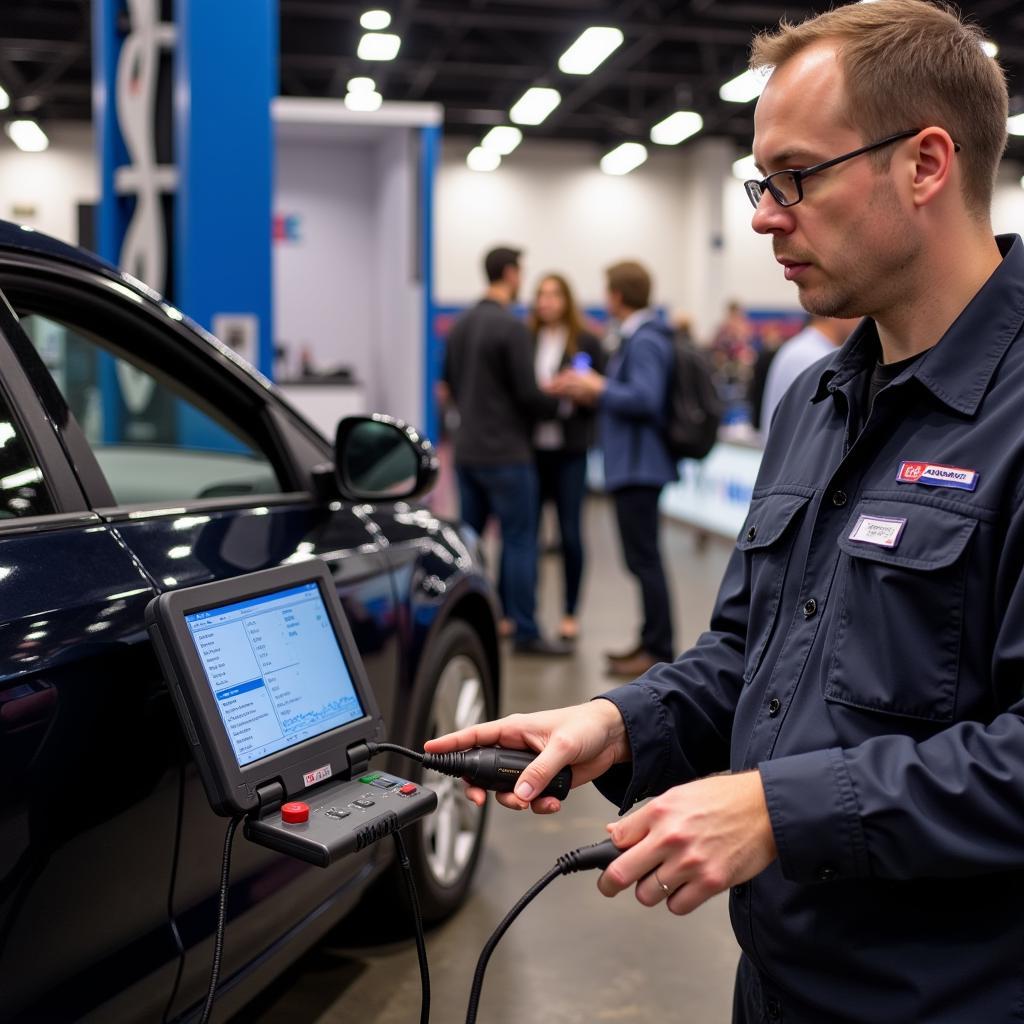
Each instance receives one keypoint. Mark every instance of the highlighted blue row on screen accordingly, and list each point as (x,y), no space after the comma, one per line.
(275,667)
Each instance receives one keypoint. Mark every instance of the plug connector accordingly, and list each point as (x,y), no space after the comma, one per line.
(586,858)
(495,768)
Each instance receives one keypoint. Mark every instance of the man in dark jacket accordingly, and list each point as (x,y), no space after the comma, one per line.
(632,401)
(488,369)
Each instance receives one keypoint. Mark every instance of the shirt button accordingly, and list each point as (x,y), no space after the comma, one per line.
(752,533)
(774,1009)
(826,873)
(839,498)
(774,705)
(810,607)
(740,891)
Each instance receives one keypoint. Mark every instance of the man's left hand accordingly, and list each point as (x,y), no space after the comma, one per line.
(700,838)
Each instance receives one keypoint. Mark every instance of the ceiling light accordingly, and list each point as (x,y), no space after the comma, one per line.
(1015,124)
(502,140)
(592,48)
(27,136)
(624,158)
(480,159)
(746,169)
(990,48)
(374,21)
(361,84)
(746,87)
(534,105)
(677,127)
(5,100)
(367,101)
(378,46)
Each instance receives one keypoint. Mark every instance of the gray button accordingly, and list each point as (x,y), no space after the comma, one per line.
(839,498)
(774,705)
(363,802)
(752,533)
(810,607)
(335,813)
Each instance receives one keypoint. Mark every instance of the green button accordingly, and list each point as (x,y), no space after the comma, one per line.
(370,778)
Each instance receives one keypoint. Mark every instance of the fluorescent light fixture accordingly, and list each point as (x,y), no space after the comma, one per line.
(5,100)
(746,87)
(746,169)
(1015,124)
(534,105)
(990,48)
(593,47)
(378,46)
(624,158)
(374,21)
(366,101)
(361,84)
(677,127)
(480,159)
(27,136)
(501,140)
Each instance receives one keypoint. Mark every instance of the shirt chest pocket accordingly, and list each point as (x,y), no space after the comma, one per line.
(766,541)
(899,610)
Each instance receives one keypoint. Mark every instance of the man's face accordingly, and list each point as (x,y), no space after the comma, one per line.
(850,242)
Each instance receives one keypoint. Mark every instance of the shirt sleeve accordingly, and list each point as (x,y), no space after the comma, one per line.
(951,805)
(679,716)
(642,394)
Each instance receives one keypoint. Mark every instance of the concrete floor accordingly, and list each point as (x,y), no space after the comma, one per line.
(573,957)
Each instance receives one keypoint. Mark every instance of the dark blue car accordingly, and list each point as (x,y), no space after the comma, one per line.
(137,454)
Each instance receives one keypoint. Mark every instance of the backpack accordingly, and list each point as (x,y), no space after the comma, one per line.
(693,408)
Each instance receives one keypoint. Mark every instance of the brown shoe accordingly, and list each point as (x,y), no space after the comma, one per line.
(633,651)
(630,668)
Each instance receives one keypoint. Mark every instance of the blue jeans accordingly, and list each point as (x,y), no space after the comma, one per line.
(509,492)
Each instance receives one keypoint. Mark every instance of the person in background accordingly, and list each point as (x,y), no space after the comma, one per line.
(488,371)
(631,402)
(560,445)
(820,338)
(772,339)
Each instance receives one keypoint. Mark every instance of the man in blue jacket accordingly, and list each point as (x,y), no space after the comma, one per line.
(632,401)
(844,747)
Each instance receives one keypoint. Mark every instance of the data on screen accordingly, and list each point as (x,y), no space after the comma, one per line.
(276,670)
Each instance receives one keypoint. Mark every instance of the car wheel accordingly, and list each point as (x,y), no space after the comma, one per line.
(457,691)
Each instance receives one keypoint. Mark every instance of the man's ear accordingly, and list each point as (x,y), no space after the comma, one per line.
(933,156)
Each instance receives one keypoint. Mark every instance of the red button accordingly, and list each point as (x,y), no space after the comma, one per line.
(408,789)
(295,813)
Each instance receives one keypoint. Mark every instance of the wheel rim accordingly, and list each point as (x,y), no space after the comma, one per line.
(452,832)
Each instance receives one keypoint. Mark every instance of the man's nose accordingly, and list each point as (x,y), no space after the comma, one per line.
(771,218)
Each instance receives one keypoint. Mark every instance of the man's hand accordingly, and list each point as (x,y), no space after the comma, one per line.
(582,386)
(700,838)
(590,737)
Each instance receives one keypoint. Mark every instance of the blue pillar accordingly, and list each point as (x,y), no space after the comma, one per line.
(225,75)
(429,151)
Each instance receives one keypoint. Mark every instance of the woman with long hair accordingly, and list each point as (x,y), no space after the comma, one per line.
(560,445)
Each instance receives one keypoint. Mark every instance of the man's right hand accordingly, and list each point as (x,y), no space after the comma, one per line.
(590,737)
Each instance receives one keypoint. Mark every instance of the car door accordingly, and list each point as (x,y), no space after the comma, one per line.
(89,783)
(200,475)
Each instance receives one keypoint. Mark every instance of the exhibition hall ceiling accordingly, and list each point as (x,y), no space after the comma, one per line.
(478,57)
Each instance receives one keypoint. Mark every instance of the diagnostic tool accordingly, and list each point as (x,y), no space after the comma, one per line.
(275,703)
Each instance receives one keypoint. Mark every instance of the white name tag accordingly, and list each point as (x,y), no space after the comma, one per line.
(879,530)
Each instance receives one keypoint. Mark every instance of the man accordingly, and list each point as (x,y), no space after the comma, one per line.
(488,370)
(820,338)
(862,677)
(631,401)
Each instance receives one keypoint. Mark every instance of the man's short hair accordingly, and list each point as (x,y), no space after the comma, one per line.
(497,260)
(910,64)
(632,282)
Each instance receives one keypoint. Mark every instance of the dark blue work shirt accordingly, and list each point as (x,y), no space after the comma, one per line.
(866,653)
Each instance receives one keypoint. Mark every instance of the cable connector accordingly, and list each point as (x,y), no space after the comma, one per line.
(586,858)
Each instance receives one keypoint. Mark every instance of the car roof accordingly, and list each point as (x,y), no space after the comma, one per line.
(22,238)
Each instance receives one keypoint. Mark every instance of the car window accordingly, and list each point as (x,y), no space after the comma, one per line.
(22,492)
(152,442)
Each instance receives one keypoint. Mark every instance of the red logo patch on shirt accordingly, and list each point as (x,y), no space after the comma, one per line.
(935,475)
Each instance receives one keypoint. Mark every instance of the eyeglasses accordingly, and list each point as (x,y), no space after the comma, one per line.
(787,187)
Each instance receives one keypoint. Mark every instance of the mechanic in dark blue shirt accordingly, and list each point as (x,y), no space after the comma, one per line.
(844,748)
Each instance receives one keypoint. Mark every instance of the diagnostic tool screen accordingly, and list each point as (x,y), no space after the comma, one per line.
(276,670)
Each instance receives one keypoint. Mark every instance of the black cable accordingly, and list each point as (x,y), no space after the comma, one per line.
(222,916)
(394,748)
(597,855)
(417,917)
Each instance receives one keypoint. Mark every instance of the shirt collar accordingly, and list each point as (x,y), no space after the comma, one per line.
(959,368)
(634,322)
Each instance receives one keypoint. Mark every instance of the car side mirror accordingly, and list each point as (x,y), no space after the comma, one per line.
(378,458)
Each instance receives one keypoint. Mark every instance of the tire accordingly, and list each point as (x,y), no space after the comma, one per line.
(455,689)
